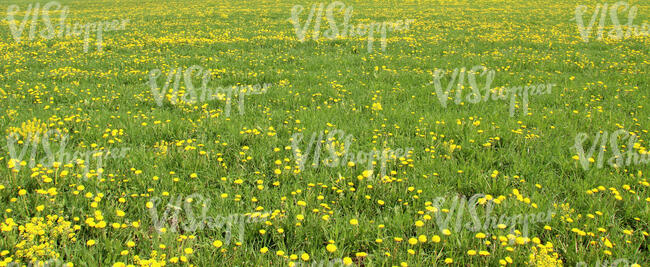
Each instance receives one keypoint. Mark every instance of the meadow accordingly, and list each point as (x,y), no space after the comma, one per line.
(239,133)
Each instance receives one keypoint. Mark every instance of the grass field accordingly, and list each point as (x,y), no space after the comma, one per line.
(255,152)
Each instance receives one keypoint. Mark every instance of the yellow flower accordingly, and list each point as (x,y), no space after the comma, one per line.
(484,253)
(471,252)
(217,243)
(435,239)
(188,251)
(413,241)
(304,257)
(331,248)
(520,240)
(347,261)
(449,260)
(608,243)
(90,243)
(376,106)
(264,250)
(354,222)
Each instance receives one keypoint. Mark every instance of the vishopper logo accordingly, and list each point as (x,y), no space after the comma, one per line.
(460,76)
(173,220)
(62,157)
(49,31)
(40,263)
(339,152)
(616,33)
(459,204)
(332,262)
(603,263)
(322,263)
(316,16)
(618,159)
(191,95)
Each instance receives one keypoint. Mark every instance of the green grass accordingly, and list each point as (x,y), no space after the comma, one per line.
(329,85)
